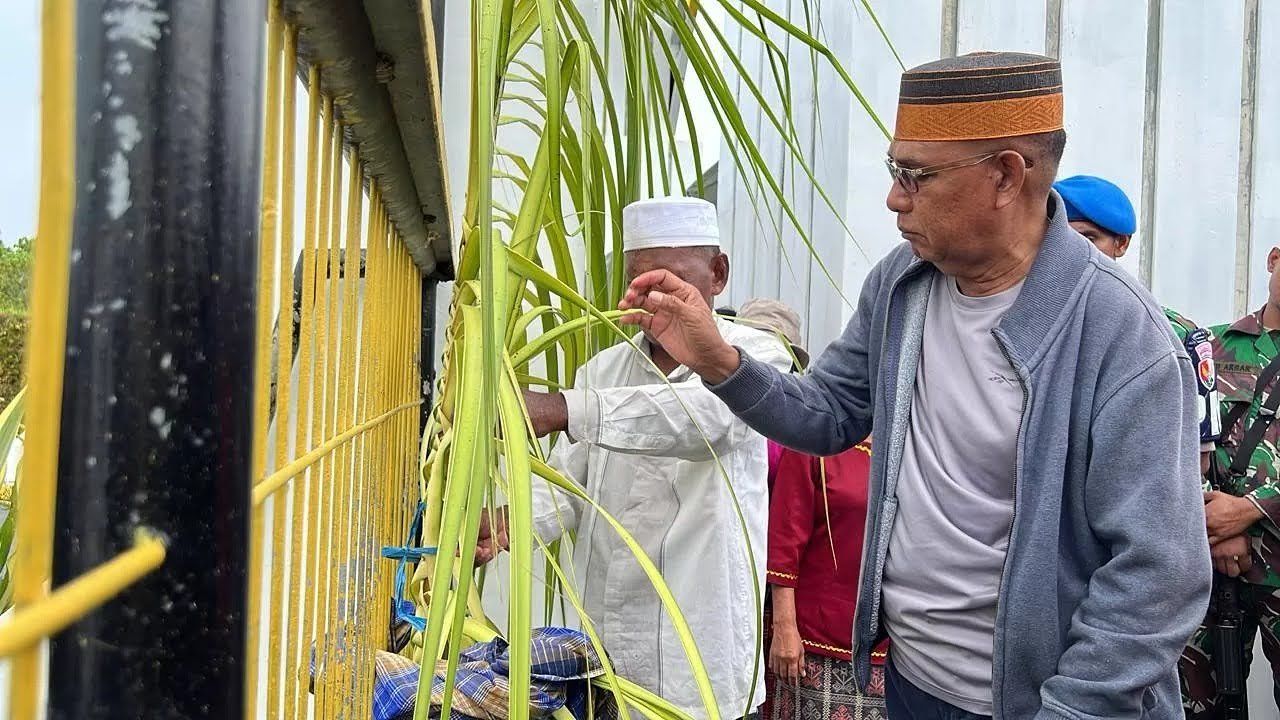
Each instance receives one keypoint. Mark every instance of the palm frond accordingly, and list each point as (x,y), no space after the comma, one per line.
(539,273)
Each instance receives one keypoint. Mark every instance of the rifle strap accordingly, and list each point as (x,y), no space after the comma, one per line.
(1238,410)
(1258,429)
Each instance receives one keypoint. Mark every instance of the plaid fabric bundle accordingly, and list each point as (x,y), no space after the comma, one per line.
(395,686)
(563,664)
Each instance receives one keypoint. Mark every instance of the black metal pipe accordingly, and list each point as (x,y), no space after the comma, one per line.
(427,351)
(157,412)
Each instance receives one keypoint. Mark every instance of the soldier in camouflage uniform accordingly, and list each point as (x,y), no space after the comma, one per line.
(1248,503)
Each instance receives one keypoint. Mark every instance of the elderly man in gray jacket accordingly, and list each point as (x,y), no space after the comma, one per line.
(1035,545)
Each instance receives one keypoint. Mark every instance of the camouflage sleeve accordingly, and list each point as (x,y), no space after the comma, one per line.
(1266,498)
(1181,325)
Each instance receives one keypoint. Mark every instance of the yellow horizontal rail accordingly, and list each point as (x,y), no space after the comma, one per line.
(81,596)
(277,479)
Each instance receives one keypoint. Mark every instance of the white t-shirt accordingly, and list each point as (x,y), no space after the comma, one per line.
(955,500)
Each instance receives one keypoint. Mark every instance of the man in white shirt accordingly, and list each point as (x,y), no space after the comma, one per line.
(642,435)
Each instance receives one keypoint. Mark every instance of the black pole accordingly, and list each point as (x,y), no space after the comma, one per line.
(427,350)
(156,412)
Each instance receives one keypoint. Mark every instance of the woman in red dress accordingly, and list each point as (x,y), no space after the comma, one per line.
(817,513)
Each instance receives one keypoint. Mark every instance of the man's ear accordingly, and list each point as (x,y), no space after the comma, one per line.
(1013,175)
(1273,257)
(720,273)
(1122,245)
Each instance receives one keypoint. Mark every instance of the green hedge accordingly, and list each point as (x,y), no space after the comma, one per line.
(13,335)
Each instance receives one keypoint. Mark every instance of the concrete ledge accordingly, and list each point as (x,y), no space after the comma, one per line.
(379,63)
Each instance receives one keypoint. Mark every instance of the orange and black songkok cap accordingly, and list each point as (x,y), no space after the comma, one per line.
(980,96)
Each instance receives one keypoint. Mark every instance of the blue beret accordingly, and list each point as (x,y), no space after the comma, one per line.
(1098,201)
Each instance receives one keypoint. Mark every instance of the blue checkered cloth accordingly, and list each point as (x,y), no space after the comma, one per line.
(395,686)
(563,664)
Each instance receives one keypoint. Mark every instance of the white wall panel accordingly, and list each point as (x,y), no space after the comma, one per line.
(1104,76)
(1001,25)
(1194,237)
(1266,158)
(915,26)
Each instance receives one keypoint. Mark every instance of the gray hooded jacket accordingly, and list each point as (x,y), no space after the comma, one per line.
(1108,569)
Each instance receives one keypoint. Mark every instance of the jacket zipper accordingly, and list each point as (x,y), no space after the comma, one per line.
(1017,452)
(877,569)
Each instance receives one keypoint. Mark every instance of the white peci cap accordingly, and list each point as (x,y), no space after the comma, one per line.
(669,222)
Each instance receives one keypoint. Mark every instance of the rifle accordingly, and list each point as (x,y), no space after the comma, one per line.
(1227,636)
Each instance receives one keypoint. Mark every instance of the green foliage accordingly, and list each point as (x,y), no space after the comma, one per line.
(8,527)
(13,336)
(10,432)
(15,276)
(15,288)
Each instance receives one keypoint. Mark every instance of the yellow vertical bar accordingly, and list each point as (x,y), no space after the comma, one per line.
(341,502)
(384,535)
(304,501)
(337,512)
(374,591)
(381,600)
(396,390)
(330,423)
(389,534)
(392,534)
(407,492)
(407,434)
(402,392)
(380,447)
(374,285)
(368,402)
(46,339)
(347,371)
(384,359)
(361,555)
(318,516)
(370,462)
(262,359)
(395,291)
(409,388)
(403,289)
(276,638)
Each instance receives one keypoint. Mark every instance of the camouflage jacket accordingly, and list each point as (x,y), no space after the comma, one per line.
(1241,350)
(1181,325)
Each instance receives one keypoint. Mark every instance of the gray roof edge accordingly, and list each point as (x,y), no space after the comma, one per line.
(358,72)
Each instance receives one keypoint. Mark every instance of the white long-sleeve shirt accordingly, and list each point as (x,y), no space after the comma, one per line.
(642,454)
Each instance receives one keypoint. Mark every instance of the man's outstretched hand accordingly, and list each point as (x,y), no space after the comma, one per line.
(680,320)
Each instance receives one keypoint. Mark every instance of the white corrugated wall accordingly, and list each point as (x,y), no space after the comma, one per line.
(1154,91)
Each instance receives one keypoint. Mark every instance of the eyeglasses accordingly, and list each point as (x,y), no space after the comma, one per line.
(909,178)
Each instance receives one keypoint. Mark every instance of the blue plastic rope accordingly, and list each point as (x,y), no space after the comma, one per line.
(403,554)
